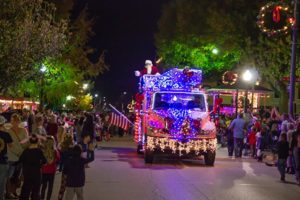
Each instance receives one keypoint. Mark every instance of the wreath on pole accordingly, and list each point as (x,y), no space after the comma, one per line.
(275,18)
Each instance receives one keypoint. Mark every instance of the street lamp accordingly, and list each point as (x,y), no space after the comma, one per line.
(250,77)
(85,86)
(69,98)
(215,51)
(43,70)
(96,95)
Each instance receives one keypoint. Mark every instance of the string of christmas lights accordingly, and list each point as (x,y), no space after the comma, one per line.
(198,146)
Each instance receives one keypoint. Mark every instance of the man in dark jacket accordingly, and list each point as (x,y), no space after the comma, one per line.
(75,172)
(283,153)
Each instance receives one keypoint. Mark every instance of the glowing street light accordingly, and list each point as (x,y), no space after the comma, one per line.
(247,76)
(96,95)
(215,51)
(69,98)
(43,68)
(85,86)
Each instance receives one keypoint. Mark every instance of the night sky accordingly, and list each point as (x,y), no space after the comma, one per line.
(125,29)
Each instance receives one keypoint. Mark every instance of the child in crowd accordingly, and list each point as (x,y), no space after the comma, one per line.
(75,172)
(283,153)
(48,170)
(32,159)
(252,140)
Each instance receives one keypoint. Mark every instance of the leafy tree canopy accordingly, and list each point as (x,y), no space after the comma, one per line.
(28,35)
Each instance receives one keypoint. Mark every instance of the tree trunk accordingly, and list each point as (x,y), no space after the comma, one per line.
(283,100)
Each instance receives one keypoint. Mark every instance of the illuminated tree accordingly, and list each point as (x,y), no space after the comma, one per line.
(29,34)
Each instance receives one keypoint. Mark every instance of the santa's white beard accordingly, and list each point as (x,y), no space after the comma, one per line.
(149,69)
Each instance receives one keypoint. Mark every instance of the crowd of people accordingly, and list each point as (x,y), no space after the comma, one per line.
(35,146)
(252,134)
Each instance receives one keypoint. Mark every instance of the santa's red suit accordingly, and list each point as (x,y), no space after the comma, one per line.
(149,69)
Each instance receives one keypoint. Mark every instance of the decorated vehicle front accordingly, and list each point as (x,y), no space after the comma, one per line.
(180,122)
(173,116)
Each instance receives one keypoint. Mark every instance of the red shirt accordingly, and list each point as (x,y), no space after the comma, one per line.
(51,168)
(252,138)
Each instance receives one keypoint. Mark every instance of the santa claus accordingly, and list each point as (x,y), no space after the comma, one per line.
(149,69)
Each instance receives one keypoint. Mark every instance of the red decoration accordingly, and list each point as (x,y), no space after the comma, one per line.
(139,100)
(188,73)
(229,78)
(276,14)
(218,104)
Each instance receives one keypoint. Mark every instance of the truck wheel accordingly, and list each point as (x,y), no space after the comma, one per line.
(149,157)
(209,158)
(139,149)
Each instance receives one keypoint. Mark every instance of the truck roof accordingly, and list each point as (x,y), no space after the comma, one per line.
(173,80)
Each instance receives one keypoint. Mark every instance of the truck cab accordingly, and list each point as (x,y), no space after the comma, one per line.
(174,117)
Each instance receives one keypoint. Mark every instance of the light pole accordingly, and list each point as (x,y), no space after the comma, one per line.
(293,60)
(250,77)
(43,70)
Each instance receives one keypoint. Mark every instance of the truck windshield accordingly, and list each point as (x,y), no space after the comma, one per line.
(185,101)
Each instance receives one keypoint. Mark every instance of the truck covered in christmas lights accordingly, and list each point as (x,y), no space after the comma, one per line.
(172,116)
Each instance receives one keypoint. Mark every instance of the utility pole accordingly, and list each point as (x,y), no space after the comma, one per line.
(293,60)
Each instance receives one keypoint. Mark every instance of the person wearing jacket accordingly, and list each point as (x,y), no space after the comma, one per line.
(283,153)
(75,172)
(32,160)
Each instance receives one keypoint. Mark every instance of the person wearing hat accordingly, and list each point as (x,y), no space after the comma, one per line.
(5,140)
(149,69)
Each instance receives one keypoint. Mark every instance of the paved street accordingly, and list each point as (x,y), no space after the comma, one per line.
(119,173)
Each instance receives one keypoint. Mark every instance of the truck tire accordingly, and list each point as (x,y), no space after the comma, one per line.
(149,157)
(209,158)
(139,149)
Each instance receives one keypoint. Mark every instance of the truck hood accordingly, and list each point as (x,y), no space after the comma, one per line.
(174,120)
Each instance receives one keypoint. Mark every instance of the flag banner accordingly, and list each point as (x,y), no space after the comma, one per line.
(118,119)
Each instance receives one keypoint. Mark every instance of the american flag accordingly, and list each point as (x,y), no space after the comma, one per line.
(119,120)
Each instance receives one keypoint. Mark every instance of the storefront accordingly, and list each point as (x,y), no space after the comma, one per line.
(234,100)
(17,103)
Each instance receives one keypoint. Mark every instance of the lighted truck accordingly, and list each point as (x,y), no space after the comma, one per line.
(173,117)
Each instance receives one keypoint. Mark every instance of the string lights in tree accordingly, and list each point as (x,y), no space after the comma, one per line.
(275,18)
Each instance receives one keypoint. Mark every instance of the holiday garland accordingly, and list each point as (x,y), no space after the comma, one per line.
(275,18)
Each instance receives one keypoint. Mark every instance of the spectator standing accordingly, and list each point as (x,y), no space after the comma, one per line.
(75,171)
(5,141)
(297,153)
(39,126)
(52,127)
(88,130)
(283,153)
(32,160)
(238,127)
(19,136)
(48,170)
(290,161)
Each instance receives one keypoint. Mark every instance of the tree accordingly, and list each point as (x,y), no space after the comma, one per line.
(231,25)
(186,37)
(70,68)
(29,34)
